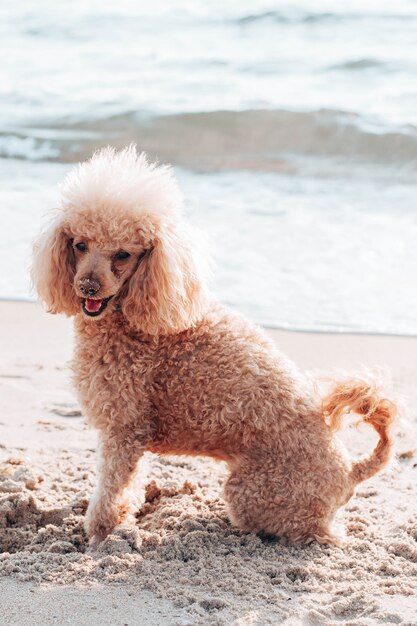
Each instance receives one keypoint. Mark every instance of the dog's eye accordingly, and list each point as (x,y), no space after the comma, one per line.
(120,256)
(81,246)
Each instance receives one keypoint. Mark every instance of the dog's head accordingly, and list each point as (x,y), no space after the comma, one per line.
(119,241)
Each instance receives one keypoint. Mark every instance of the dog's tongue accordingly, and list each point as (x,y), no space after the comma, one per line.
(92,305)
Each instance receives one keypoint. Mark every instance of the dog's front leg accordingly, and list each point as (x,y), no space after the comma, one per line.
(118,460)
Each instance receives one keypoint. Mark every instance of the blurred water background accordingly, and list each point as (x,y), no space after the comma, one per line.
(291,126)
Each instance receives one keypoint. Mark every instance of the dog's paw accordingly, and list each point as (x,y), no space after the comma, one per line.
(100,519)
(93,544)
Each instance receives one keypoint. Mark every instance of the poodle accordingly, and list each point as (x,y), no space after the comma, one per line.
(160,366)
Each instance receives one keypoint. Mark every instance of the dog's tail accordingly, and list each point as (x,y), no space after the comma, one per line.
(366,399)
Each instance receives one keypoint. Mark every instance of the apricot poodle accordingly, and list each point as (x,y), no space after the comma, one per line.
(160,366)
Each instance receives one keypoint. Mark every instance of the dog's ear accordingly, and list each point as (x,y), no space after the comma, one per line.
(53,270)
(167,294)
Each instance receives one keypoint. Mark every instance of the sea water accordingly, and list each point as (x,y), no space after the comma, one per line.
(291,127)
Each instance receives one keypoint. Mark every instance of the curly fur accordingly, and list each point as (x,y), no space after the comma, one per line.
(166,369)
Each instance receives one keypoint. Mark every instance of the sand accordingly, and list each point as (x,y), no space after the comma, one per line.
(183,563)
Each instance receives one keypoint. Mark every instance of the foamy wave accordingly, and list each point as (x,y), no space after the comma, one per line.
(254,139)
(27,148)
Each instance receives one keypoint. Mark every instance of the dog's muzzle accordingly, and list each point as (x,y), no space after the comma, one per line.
(94,308)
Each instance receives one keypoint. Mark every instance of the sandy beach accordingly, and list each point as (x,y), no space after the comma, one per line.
(183,563)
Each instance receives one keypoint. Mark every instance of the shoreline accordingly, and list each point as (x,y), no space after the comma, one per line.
(183,563)
(269,326)
(342,349)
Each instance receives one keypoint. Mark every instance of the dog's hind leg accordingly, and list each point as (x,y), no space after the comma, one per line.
(267,499)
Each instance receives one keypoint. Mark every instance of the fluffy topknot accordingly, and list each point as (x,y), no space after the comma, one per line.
(122,180)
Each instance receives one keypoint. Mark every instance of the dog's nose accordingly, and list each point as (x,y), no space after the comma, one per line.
(89,286)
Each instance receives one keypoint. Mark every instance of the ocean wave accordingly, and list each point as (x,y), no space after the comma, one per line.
(252,139)
(301,17)
(15,146)
(358,64)
(285,18)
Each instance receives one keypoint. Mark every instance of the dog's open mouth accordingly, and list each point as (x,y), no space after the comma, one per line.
(93,308)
